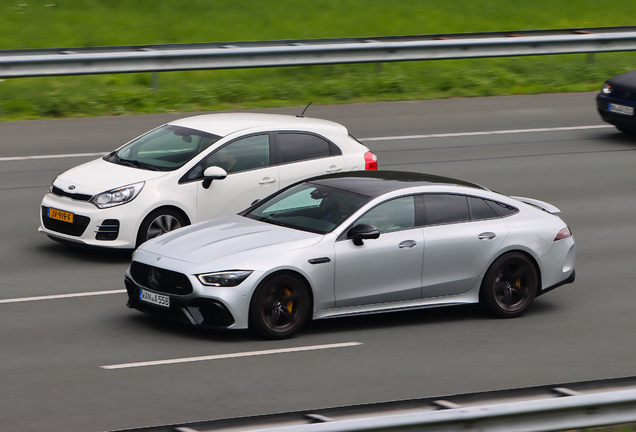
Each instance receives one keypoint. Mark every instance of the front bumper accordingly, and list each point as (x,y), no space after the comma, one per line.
(114,227)
(200,312)
(619,120)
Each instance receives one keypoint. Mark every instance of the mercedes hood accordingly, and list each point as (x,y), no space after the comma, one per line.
(226,237)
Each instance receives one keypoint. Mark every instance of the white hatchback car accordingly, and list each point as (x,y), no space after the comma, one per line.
(191,170)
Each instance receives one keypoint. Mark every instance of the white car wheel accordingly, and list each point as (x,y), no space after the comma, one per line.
(158,223)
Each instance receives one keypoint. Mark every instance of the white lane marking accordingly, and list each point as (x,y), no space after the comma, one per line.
(58,156)
(61,296)
(388,138)
(232,355)
(496,132)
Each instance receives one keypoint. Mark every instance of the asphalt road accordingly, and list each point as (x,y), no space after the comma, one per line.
(51,375)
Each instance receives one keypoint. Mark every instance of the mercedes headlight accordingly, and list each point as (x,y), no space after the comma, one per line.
(115,197)
(230,278)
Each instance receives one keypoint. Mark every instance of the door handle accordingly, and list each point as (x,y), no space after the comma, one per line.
(266,181)
(334,168)
(407,244)
(487,236)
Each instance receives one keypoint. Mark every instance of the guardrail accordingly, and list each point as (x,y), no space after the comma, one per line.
(536,409)
(235,55)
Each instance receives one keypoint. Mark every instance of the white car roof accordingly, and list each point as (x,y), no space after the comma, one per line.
(226,123)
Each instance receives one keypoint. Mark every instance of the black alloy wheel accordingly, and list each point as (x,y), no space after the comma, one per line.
(158,223)
(280,306)
(510,285)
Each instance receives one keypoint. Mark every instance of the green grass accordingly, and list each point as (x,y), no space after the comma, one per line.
(74,23)
(618,428)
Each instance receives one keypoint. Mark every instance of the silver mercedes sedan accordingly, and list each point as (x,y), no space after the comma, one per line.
(354,243)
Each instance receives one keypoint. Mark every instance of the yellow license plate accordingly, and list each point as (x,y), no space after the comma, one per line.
(61,215)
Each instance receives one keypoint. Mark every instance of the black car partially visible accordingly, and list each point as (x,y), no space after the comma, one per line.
(616,103)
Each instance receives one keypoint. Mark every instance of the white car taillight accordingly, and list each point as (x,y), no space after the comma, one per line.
(563,234)
(370,161)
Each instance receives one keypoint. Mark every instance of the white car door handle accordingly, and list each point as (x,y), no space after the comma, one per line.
(266,180)
(334,168)
(487,236)
(407,244)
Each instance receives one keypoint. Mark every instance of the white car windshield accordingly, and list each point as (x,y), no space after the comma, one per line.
(166,148)
(309,207)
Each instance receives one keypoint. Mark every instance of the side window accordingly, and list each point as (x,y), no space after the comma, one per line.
(392,215)
(443,209)
(294,147)
(502,210)
(479,209)
(305,199)
(241,155)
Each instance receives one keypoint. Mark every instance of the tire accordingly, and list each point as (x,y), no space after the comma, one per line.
(159,222)
(280,306)
(510,285)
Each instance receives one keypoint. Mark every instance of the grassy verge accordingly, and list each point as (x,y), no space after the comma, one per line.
(68,23)
(218,90)
(618,428)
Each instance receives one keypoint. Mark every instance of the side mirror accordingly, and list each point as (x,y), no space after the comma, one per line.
(213,173)
(363,232)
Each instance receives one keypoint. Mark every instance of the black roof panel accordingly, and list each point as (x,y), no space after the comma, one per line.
(376,183)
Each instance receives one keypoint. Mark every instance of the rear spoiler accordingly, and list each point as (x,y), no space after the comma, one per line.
(541,204)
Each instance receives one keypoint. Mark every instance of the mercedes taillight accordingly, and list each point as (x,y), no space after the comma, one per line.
(563,234)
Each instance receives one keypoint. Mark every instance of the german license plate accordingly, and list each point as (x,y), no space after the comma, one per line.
(60,215)
(621,109)
(154,298)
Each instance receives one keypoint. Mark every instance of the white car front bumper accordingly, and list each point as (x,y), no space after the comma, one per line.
(114,227)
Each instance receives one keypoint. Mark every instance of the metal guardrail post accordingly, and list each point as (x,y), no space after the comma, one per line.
(154,80)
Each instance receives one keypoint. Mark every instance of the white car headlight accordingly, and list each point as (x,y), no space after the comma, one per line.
(225,278)
(115,197)
(607,89)
(52,183)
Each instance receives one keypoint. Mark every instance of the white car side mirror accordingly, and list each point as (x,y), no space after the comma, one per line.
(213,173)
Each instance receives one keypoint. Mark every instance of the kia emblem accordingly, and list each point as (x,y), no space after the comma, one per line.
(71,187)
